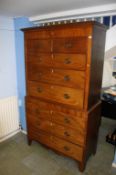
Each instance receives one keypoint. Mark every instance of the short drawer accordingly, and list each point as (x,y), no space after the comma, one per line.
(67,148)
(75,136)
(68,78)
(63,95)
(71,31)
(39,124)
(38,34)
(70,45)
(41,59)
(37,111)
(69,119)
(69,61)
(38,45)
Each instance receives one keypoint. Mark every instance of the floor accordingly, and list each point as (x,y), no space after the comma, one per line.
(17,158)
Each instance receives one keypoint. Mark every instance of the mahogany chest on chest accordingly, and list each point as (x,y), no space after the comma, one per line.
(64,66)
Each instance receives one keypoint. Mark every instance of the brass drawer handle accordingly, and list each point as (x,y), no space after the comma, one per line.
(66,148)
(66,133)
(51,124)
(66,96)
(67,61)
(68,45)
(52,70)
(66,120)
(67,78)
(39,89)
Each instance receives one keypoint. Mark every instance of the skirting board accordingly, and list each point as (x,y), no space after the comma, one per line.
(114,165)
(9,135)
(12,134)
(24,132)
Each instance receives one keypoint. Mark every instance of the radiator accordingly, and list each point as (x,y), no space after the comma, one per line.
(9,117)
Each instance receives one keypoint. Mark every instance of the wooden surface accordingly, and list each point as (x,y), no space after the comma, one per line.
(65,95)
(63,79)
(96,70)
(58,60)
(67,78)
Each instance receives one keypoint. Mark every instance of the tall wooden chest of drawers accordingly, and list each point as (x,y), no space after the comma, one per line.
(64,66)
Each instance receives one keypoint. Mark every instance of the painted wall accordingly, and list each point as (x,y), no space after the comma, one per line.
(8,79)
(110,52)
(19,45)
(110,39)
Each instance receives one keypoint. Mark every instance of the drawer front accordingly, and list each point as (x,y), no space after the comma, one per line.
(69,120)
(37,46)
(41,59)
(40,103)
(70,45)
(75,136)
(38,111)
(69,61)
(67,148)
(68,78)
(64,95)
(39,124)
(71,31)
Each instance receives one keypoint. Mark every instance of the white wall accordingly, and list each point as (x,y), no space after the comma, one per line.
(110,52)
(110,38)
(8,79)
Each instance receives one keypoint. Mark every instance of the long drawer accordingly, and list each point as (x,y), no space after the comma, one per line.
(58,144)
(68,78)
(63,95)
(58,60)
